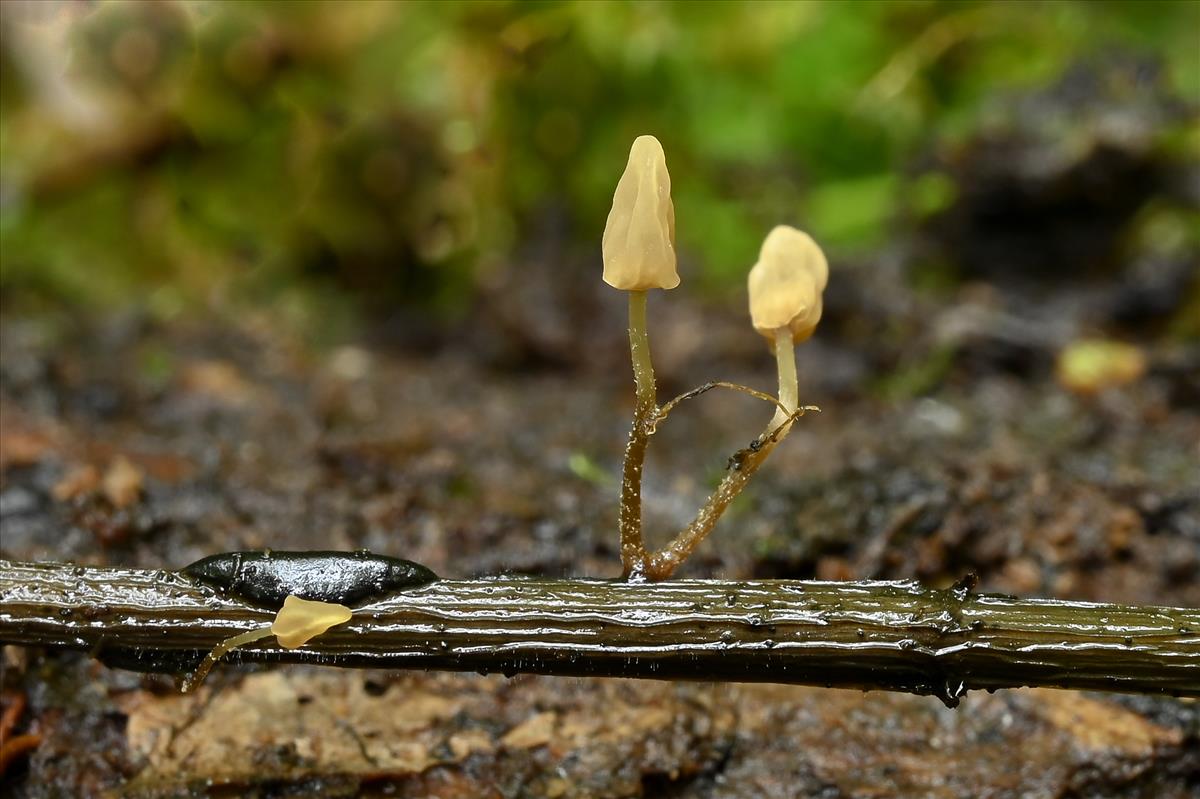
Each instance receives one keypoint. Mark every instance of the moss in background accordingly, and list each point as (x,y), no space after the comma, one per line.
(395,153)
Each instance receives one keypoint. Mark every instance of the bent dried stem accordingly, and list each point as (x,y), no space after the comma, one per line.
(696,392)
(744,463)
(650,564)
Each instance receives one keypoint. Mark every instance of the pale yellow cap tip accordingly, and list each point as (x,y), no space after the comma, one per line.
(639,237)
(786,284)
(301,620)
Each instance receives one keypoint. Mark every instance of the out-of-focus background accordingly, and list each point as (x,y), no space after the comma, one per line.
(386,158)
(322,275)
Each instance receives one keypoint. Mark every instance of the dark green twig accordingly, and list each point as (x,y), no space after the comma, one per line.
(873,635)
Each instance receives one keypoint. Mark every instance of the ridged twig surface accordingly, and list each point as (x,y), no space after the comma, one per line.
(873,635)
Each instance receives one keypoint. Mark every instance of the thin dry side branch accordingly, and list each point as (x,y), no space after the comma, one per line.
(894,636)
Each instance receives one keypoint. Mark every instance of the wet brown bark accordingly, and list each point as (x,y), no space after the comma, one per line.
(873,635)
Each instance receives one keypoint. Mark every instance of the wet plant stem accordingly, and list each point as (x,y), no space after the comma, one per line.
(645,418)
(662,564)
(894,636)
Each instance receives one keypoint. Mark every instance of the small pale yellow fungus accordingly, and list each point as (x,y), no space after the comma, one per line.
(1091,365)
(785,306)
(300,620)
(297,622)
(639,237)
(786,284)
(639,255)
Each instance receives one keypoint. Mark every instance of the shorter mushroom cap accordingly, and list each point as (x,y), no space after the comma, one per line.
(786,284)
(301,620)
(639,237)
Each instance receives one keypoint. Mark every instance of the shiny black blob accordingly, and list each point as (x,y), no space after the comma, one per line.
(266,578)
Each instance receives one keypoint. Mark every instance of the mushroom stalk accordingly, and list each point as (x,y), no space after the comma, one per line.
(743,465)
(789,387)
(639,351)
(645,417)
(190,683)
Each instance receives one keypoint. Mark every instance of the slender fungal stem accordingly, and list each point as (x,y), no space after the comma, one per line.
(645,419)
(639,350)
(744,464)
(785,362)
(895,636)
(191,683)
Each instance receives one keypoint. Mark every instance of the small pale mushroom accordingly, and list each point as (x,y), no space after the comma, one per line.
(301,620)
(639,254)
(785,300)
(785,288)
(297,622)
(639,236)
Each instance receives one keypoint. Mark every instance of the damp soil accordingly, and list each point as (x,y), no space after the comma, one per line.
(133,443)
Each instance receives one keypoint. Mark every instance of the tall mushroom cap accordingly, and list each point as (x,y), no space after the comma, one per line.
(639,237)
(786,284)
(300,620)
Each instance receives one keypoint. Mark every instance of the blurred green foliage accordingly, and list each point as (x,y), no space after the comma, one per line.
(183,152)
